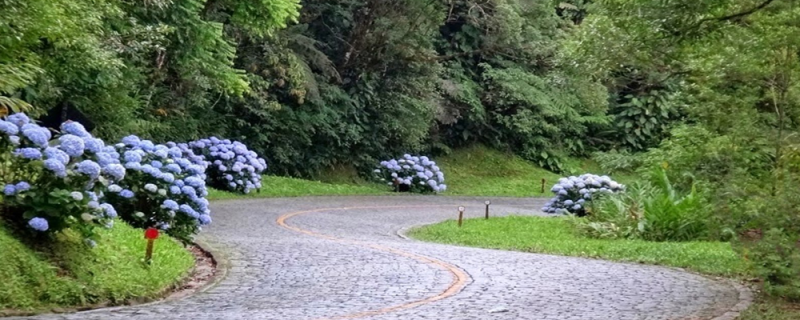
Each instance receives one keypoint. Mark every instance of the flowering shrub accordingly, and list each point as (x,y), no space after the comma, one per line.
(412,173)
(164,187)
(574,194)
(231,166)
(52,184)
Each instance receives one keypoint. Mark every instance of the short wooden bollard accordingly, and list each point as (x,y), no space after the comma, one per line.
(460,216)
(151,234)
(543,182)
(487,208)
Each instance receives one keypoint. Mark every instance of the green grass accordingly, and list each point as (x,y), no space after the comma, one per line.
(771,309)
(557,236)
(69,274)
(480,171)
(292,187)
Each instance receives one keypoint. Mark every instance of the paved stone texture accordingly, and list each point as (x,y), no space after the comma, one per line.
(277,273)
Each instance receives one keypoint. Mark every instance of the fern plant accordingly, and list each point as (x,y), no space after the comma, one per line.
(652,210)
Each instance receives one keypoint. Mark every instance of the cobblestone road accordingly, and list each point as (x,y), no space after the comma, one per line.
(349,262)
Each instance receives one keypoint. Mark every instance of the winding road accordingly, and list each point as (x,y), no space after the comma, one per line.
(342,258)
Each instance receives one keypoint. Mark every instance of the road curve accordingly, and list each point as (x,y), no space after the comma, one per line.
(341,258)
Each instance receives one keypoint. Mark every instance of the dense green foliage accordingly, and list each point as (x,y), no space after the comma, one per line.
(377,78)
(733,68)
(65,274)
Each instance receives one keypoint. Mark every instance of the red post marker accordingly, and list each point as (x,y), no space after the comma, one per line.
(150,234)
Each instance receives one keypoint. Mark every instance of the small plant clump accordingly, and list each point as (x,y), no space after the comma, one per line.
(230,165)
(412,174)
(573,195)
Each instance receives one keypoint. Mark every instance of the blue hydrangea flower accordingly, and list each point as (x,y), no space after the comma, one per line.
(147,145)
(194,181)
(10,190)
(116,171)
(71,145)
(56,167)
(114,188)
(175,190)
(131,140)
(126,194)
(14,140)
(22,186)
(109,210)
(19,119)
(56,154)
(38,224)
(131,156)
(133,166)
(29,153)
(89,168)
(8,128)
(74,128)
(106,158)
(93,145)
(204,219)
(150,187)
(174,168)
(170,205)
(38,135)
(185,208)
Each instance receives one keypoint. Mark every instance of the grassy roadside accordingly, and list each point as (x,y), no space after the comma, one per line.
(68,274)
(556,236)
(292,187)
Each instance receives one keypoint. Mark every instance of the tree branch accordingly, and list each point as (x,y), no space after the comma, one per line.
(734,15)
(746,12)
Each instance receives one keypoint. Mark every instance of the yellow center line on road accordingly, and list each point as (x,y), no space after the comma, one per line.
(459,277)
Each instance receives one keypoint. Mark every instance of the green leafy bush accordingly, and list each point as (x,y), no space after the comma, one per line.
(652,210)
(777,260)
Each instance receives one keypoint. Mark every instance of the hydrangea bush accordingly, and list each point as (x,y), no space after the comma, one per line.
(231,166)
(412,173)
(164,187)
(573,195)
(56,182)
